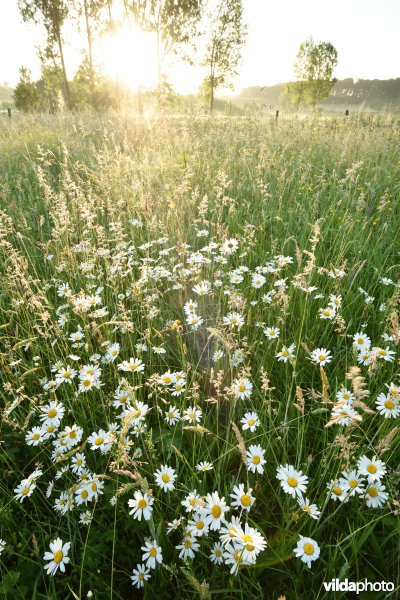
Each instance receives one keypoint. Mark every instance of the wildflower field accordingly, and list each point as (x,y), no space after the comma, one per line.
(199,356)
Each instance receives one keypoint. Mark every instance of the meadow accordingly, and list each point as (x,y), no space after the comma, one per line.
(199,356)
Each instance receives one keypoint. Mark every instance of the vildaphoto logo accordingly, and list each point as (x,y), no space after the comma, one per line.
(335,585)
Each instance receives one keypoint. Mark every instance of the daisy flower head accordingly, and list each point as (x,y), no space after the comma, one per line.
(293,482)
(287,353)
(233,319)
(373,469)
(140,575)
(192,414)
(35,436)
(216,553)
(251,542)
(307,507)
(258,281)
(345,395)
(198,525)
(215,509)
(24,490)
(204,466)
(233,557)
(165,478)
(133,365)
(255,459)
(327,313)
(100,440)
(141,505)
(307,550)
(57,557)
(229,246)
(202,289)
(242,498)
(52,413)
(337,491)
(188,547)
(172,415)
(193,502)
(351,483)
(321,356)
(242,388)
(2,546)
(361,341)
(385,354)
(375,495)
(272,333)
(388,406)
(85,518)
(250,421)
(152,554)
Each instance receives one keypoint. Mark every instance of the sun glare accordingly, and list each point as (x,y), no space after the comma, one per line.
(129,56)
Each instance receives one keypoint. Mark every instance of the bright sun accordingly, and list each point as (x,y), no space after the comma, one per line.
(129,56)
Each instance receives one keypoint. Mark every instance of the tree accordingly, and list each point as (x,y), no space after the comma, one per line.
(227,35)
(26,93)
(313,69)
(173,21)
(52,14)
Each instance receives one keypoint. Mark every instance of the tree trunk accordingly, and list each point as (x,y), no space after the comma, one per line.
(89,39)
(67,94)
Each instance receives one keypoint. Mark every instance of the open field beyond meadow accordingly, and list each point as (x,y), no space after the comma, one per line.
(199,356)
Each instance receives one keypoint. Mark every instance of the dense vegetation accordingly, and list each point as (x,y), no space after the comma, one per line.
(220,267)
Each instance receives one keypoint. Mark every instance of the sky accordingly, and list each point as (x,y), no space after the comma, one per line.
(364,32)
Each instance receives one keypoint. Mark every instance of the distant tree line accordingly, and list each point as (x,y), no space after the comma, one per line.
(177,24)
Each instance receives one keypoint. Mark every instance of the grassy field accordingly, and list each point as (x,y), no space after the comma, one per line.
(250,271)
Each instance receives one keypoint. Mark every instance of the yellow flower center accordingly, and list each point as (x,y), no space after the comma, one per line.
(372,469)
(389,404)
(360,340)
(52,413)
(373,492)
(86,382)
(200,524)
(191,415)
(251,422)
(188,544)
(306,508)
(141,576)
(192,501)
(308,549)
(165,478)
(242,387)
(84,494)
(353,483)
(142,503)
(218,553)
(321,357)
(284,353)
(248,539)
(72,434)
(58,556)
(67,374)
(216,511)
(382,352)
(94,487)
(246,500)
(36,436)
(152,552)
(336,490)
(237,557)
(99,441)
(50,429)
(25,491)
(292,481)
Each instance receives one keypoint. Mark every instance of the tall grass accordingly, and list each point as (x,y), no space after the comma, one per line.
(324,192)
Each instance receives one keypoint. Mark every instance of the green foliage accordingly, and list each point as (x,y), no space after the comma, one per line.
(315,189)
(226,35)
(313,68)
(26,93)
